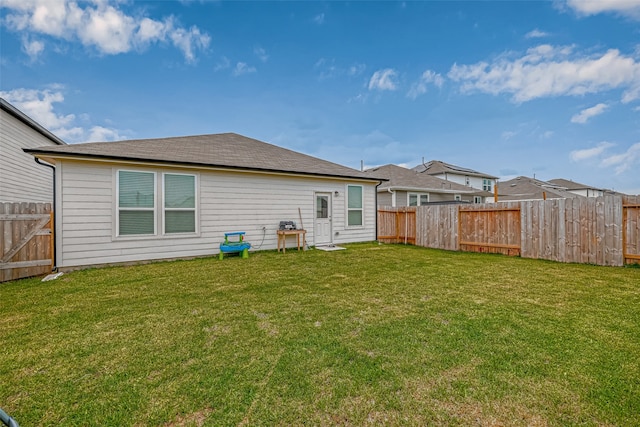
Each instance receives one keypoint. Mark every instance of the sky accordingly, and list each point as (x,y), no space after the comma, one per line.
(544,89)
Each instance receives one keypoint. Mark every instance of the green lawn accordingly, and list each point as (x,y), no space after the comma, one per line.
(374,335)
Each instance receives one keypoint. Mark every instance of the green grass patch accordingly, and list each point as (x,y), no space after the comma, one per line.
(376,334)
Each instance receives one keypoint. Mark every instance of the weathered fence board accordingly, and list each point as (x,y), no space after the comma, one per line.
(436,227)
(489,228)
(631,229)
(26,240)
(603,231)
(397,225)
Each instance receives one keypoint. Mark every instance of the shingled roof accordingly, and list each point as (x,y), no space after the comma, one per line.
(437,167)
(525,188)
(407,179)
(224,150)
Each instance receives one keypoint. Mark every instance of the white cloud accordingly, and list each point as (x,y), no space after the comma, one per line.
(508,134)
(420,87)
(384,80)
(100,133)
(547,134)
(261,54)
(629,8)
(356,69)
(319,19)
(328,68)
(188,40)
(222,64)
(40,106)
(536,34)
(100,24)
(624,161)
(588,153)
(242,68)
(33,48)
(360,98)
(585,115)
(548,71)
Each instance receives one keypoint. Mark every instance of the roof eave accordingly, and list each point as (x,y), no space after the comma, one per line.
(79,156)
(19,115)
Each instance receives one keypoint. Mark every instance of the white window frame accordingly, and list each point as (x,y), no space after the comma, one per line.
(418,198)
(153,209)
(159,216)
(165,209)
(487,184)
(457,197)
(348,209)
(477,199)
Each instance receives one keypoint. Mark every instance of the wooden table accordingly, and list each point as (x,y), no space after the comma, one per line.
(282,237)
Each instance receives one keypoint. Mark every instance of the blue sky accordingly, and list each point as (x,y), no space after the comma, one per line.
(544,88)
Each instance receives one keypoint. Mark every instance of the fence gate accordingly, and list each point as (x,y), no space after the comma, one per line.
(26,240)
(397,226)
(492,230)
(631,230)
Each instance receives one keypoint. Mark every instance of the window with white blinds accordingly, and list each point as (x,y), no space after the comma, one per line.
(142,206)
(354,205)
(179,203)
(136,203)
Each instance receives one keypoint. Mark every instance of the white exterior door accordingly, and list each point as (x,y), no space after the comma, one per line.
(322,222)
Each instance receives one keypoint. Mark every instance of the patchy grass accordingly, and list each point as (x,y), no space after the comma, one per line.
(376,334)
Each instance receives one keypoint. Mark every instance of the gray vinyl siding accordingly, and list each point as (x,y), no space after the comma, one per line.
(21,178)
(385,199)
(227,201)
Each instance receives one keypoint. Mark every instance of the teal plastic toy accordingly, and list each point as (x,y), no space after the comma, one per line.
(235,246)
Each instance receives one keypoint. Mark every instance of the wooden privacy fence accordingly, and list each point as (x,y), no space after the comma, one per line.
(397,225)
(631,230)
(26,240)
(603,231)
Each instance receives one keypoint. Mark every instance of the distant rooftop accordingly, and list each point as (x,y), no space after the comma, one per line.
(437,167)
(400,178)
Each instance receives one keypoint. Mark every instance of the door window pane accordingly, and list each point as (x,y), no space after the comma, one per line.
(322,207)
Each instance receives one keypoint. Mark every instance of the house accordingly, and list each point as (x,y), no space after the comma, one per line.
(579,189)
(406,187)
(21,178)
(165,198)
(525,188)
(459,175)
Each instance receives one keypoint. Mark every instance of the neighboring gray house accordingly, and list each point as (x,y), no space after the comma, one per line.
(525,188)
(406,187)
(167,198)
(579,189)
(459,175)
(21,178)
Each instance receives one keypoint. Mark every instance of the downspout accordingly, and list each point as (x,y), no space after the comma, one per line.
(53,169)
(377,185)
